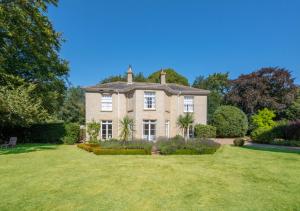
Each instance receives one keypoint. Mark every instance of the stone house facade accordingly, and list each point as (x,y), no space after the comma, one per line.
(154,107)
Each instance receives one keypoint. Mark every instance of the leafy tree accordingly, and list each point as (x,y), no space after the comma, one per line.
(293,111)
(171,77)
(218,84)
(127,127)
(184,121)
(73,106)
(270,87)
(139,77)
(18,107)
(29,48)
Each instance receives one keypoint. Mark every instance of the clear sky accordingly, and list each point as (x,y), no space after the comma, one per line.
(197,37)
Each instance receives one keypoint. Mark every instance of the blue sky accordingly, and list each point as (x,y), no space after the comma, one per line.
(194,37)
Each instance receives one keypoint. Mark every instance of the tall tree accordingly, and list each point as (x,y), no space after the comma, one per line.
(218,84)
(73,106)
(29,48)
(171,77)
(270,87)
(184,121)
(17,104)
(139,77)
(293,111)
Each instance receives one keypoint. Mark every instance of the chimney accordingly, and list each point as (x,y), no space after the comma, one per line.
(129,75)
(162,77)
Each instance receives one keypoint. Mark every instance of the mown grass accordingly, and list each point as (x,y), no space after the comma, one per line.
(46,177)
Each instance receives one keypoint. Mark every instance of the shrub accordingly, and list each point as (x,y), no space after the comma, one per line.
(89,147)
(230,122)
(120,152)
(239,142)
(93,129)
(177,146)
(72,132)
(264,118)
(262,135)
(205,131)
(135,144)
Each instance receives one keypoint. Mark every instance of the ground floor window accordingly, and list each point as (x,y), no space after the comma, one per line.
(149,130)
(106,129)
(167,128)
(191,131)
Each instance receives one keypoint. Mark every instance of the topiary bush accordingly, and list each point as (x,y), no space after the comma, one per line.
(205,131)
(239,142)
(230,122)
(72,133)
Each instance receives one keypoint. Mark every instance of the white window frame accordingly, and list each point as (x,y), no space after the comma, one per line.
(188,104)
(104,125)
(106,102)
(167,128)
(149,100)
(147,123)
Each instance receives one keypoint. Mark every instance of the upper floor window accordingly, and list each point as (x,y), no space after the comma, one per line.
(106,102)
(149,100)
(188,104)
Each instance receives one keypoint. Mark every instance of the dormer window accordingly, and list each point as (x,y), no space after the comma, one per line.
(106,102)
(188,104)
(149,100)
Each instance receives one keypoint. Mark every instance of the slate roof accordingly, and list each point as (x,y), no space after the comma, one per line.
(124,87)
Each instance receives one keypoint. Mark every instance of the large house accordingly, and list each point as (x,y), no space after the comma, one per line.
(154,107)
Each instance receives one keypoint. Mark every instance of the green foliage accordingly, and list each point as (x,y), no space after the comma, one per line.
(179,146)
(239,142)
(171,77)
(139,77)
(230,122)
(127,126)
(262,135)
(218,84)
(30,50)
(73,109)
(93,129)
(116,149)
(120,152)
(184,121)
(293,111)
(44,133)
(264,118)
(270,87)
(19,106)
(205,131)
(72,132)
(134,144)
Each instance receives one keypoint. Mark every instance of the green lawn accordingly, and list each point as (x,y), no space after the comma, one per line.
(44,177)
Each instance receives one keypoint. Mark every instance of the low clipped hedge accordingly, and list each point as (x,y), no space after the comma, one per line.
(191,147)
(120,151)
(98,150)
(205,131)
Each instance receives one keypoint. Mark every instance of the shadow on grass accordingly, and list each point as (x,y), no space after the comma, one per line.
(270,149)
(25,148)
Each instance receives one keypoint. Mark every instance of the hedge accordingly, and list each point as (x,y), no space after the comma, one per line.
(96,149)
(205,131)
(55,133)
(178,146)
(230,122)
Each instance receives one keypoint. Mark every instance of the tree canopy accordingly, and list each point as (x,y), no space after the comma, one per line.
(29,48)
(218,84)
(73,109)
(171,77)
(270,87)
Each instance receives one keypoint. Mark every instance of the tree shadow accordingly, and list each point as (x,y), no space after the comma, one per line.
(26,148)
(270,149)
